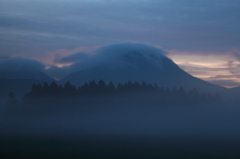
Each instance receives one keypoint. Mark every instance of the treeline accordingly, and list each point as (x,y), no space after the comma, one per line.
(163,95)
(91,88)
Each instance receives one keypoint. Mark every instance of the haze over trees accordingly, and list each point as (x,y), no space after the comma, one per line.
(133,91)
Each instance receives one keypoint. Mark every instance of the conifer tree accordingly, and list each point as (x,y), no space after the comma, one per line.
(12,102)
(102,86)
(45,88)
(111,87)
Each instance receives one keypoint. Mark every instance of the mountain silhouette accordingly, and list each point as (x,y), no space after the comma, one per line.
(20,68)
(136,65)
(18,74)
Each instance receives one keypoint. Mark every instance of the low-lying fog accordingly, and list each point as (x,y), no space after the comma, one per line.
(125,120)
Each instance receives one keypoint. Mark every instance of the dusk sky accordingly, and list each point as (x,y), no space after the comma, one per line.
(201,36)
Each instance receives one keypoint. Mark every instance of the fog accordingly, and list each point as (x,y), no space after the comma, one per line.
(120,125)
(124,120)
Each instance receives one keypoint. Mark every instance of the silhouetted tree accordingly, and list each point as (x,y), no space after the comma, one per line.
(162,95)
(144,85)
(84,90)
(93,87)
(34,89)
(45,88)
(120,87)
(129,86)
(53,89)
(111,87)
(150,86)
(102,86)
(38,89)
(136,86)
(60,90)
(12,102)
(69,89)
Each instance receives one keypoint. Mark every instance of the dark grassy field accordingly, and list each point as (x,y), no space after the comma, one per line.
(118,147)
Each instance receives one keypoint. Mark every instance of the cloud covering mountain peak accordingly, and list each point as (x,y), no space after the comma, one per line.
(123,48)
(115,56)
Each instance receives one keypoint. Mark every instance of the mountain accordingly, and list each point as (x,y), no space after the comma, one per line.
(233,93)
(118,63)
(18,74)
(137,65)
(20,68)
(34,75)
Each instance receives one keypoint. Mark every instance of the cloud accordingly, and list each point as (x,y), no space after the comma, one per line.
(73,58)
(224,75)
(236,53)
(212,67)
(123,48)
(113,54)
(226,83)
(183,25)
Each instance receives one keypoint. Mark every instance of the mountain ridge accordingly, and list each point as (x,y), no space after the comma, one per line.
(136,66)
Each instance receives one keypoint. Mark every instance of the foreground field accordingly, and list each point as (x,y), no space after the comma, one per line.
(120,131)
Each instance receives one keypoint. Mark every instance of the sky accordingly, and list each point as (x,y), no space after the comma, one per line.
(201,36)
